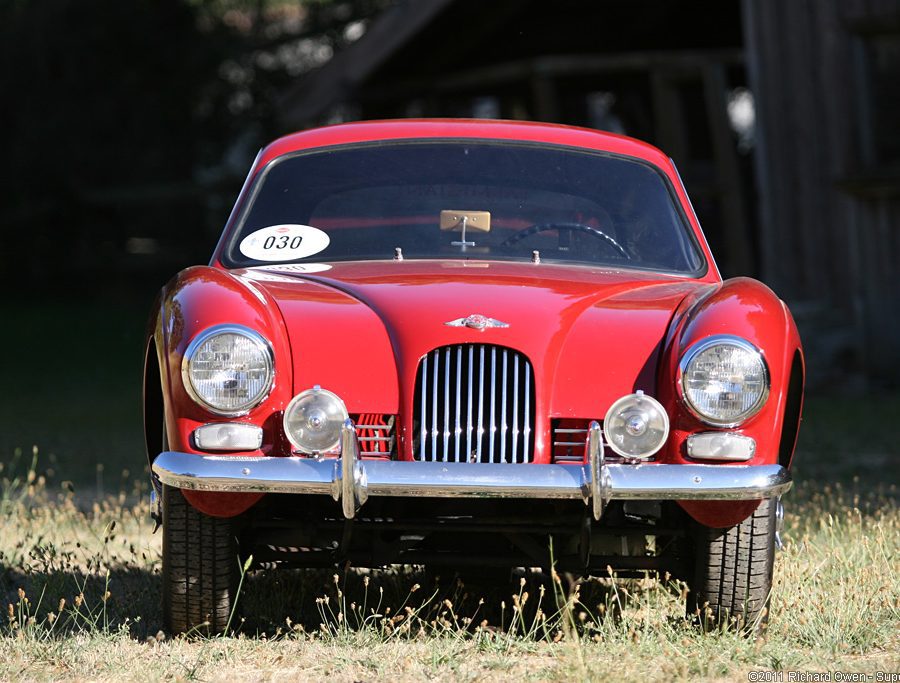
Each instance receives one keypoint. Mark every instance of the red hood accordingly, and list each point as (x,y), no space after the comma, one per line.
(360,329)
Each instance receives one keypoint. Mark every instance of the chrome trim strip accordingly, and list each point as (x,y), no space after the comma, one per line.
(352,481)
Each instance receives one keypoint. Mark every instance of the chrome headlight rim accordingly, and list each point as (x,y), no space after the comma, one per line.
(296,447)
(228,328)
(704,344)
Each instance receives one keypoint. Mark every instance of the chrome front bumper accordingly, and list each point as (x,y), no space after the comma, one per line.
(351,481)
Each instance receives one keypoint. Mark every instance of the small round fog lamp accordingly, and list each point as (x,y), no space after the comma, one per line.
(636,426)
(313,420)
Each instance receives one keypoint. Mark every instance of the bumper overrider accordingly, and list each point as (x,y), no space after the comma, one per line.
(352,481)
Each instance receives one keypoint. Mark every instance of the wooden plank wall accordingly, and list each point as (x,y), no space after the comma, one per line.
(821,246)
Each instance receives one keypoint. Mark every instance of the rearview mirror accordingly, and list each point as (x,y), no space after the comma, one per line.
(480,221)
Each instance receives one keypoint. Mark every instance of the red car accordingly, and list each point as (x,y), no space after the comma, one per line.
(443,342)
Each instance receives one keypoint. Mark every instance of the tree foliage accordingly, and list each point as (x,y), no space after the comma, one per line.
(124,118)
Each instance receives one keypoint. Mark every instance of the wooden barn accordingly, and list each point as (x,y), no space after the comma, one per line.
(783,117)
(827,80)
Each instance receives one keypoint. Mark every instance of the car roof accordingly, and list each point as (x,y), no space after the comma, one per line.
(400,129)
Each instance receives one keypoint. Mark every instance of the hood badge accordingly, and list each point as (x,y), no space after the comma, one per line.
(476,322)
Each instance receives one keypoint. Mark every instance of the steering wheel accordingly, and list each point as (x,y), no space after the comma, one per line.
(569,227)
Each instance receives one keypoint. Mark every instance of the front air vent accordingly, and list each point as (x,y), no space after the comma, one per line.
(375,433)
(569,440)
(474,403)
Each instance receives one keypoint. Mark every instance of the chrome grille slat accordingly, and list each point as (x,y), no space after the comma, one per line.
(469,406)
(503,412)
(424,402)
(434,406)
(526,414)
(493,399)
(458,429)
(515,411)
(480,403)
(446,402)
(451,428)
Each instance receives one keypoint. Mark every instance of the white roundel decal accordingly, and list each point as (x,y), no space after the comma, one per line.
(284,243)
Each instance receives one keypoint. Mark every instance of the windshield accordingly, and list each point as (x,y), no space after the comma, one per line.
(463,199)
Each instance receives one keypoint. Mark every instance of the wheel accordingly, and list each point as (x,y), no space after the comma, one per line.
(200,567)
(566,227)
(733,571)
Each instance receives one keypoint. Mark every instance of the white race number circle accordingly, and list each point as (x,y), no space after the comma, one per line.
(284,243)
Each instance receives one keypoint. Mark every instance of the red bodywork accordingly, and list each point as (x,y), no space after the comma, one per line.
(592,334)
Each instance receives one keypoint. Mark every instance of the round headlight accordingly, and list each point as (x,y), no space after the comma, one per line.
(313,421)
(228,369)
(724,380)
(636,426)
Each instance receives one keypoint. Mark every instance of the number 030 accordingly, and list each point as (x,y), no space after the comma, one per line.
(282,242)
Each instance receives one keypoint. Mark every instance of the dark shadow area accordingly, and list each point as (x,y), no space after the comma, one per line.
(406,600)
(401,602)
(128,598)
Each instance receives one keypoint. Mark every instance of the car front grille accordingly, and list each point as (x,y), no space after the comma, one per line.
(474,403)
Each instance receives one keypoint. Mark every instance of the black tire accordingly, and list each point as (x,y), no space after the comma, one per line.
(733,572)
(200,567)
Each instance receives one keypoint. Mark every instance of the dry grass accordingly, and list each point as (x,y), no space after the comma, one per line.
(79,586)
